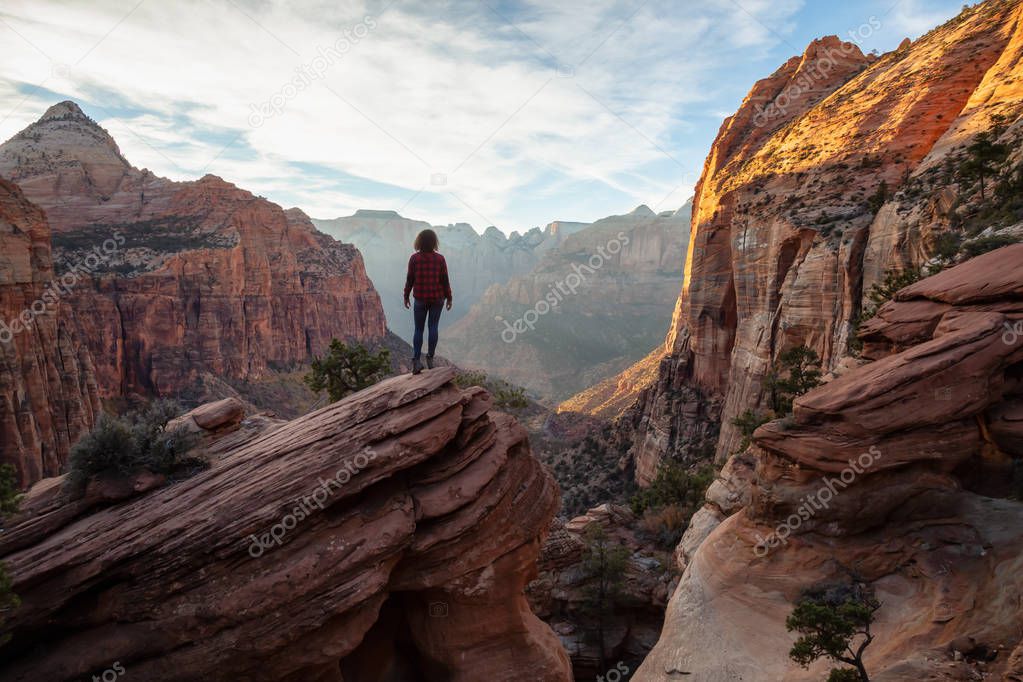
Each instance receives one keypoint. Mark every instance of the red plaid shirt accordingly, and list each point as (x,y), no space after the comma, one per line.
(427,277)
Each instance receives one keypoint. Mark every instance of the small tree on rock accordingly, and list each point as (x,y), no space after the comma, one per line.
(982,161)
(834,623)
(347,369)
(604,563)
(798,370)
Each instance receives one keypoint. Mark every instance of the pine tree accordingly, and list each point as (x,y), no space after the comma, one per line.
(829,620)
(983,158)
(604,564)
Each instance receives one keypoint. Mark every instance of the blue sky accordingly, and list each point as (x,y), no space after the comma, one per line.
(506,112)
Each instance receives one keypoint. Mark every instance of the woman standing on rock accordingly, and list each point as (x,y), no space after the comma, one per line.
(427,281)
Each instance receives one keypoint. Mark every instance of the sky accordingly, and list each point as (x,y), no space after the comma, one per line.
(490,112)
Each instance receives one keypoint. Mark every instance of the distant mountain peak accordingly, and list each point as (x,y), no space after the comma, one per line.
(643,210)
(65,110)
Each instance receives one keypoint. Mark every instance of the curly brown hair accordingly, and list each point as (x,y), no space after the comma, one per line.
(427,241)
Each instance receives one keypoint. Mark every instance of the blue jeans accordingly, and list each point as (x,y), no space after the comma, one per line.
(420,312)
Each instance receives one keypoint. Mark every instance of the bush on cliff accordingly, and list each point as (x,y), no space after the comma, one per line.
(983,245)
(506,396)
(797,371)
(347,369)
(124,446)
(671,500)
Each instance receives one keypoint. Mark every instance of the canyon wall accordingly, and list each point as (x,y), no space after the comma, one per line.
(180,285)
(897,476)
(836,169)
(49,395)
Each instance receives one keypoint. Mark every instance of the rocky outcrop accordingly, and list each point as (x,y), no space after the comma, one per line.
(388,536)
(589,309)
(179,285)
(894,475)
(48,391)
(835,170)
(475,261)
(563,594)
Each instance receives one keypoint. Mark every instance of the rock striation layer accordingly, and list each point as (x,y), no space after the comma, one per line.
(49,395)
(424,513)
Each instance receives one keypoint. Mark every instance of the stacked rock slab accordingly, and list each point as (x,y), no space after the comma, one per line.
(433,512)
(888,475)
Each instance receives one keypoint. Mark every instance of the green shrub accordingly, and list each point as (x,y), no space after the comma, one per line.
(748,422)
(674,484)
(124,446)
(10,498)
(878,198)
(10,495)
(347,369)
(946,246)
(506,395)
(885,290)
(986,244)
(797,371)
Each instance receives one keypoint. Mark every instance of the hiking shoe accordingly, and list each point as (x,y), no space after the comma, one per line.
(429,362)
(417,365)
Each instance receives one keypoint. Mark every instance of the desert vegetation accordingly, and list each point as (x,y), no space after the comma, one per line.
(139,441)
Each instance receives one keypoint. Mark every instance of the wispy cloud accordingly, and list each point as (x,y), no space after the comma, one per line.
(531,110)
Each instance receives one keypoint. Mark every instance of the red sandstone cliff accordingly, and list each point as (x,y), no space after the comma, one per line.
(410,565)
(207,282)
(48,391)
(785,236)
(895,474)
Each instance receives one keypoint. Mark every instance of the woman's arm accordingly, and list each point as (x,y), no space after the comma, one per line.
(444,280)
(410,278)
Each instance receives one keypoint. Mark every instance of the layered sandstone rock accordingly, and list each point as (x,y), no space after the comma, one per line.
(475,261)
(387,536)
(48,391)
(590,308)
(892,475)
(194,282)
(836,169)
